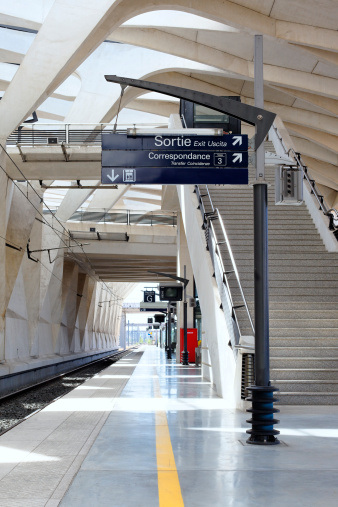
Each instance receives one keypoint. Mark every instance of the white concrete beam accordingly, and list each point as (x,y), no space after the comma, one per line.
(162,108)
(311,149)
(326,174)
(325,103)
(323,139)
(106,199)
(69,33)
(73,200)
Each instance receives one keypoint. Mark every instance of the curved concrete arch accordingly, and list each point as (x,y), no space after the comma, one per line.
(96,95)
(325,140)
(327,104)
(159,107)
(297,116)
(84,28)
(313,150)
(324,173)
(174,44)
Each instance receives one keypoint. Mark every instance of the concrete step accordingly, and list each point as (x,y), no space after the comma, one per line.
(229,217)
(289,299)
(247,269)
(310,259)
(299,341)
(296,258)
(304,324)
(244,209)
(305,386)
(234,229)
(294,315)
(328,309)
(305,290)
(303,374)
(304,362)
(245,247)
(303,299)
(276,239)
(282,275)
(317,306)
(307,398)
(301,352)
(274,245)
(282,232)
(302,332)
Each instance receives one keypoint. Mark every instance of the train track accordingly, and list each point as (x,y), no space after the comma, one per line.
(22,404)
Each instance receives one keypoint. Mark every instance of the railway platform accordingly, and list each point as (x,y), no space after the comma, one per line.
(147,432)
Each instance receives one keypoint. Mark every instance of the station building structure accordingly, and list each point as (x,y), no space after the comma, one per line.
(72,249)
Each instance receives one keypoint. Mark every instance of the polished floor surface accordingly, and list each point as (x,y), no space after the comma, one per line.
(169,441)
(40,457)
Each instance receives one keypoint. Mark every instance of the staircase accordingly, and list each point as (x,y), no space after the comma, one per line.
(303,292)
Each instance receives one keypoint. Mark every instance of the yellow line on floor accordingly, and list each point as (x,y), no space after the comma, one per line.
(169,489)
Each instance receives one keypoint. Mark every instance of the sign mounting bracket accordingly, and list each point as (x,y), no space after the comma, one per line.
(256,116)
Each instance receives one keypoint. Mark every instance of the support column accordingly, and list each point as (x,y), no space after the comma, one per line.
(262,410)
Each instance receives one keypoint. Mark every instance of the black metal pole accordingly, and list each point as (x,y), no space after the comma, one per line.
(262,410)
(262,364)
(185,354)
(169,333)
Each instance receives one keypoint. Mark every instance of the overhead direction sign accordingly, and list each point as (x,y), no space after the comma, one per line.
(174,142)
(174,159)
(163,158)
(176,176)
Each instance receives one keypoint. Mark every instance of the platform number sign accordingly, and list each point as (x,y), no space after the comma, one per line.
(220,159)
(149,296)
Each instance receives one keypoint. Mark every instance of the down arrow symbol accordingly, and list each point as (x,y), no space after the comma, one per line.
(112,177)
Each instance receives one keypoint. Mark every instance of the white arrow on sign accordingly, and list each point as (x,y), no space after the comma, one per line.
(112,177)
(237,140)
(237,157)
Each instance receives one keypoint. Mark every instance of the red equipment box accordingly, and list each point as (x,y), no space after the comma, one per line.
(191,342)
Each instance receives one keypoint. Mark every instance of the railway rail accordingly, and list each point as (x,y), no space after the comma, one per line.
(21,404)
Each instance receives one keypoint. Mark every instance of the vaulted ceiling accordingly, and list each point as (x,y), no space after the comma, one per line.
(54,56)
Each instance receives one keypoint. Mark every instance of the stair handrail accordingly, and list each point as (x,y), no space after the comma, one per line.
(311,182)
(208,218)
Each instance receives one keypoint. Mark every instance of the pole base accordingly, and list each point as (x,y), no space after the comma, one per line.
(262,420)
(184,358)
(169,353)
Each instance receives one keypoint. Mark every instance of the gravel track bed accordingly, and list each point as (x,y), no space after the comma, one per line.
(14,409)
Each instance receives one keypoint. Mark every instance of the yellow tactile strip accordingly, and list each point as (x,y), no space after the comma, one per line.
(40,457)
(169,489)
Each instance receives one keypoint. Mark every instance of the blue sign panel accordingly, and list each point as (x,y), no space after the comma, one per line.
(177,176)
(227,142)
(174,159)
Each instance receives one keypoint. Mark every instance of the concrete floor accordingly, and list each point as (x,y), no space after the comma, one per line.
(40,457)
(131,462)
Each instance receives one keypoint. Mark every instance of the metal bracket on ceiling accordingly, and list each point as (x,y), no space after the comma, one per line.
(259,117)
(22,155)
(64,151)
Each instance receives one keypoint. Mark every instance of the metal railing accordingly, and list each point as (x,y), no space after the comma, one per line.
(38,134)
(208,218)
(123,217)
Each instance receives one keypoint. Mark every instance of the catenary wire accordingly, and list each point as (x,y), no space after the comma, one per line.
(53,217)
